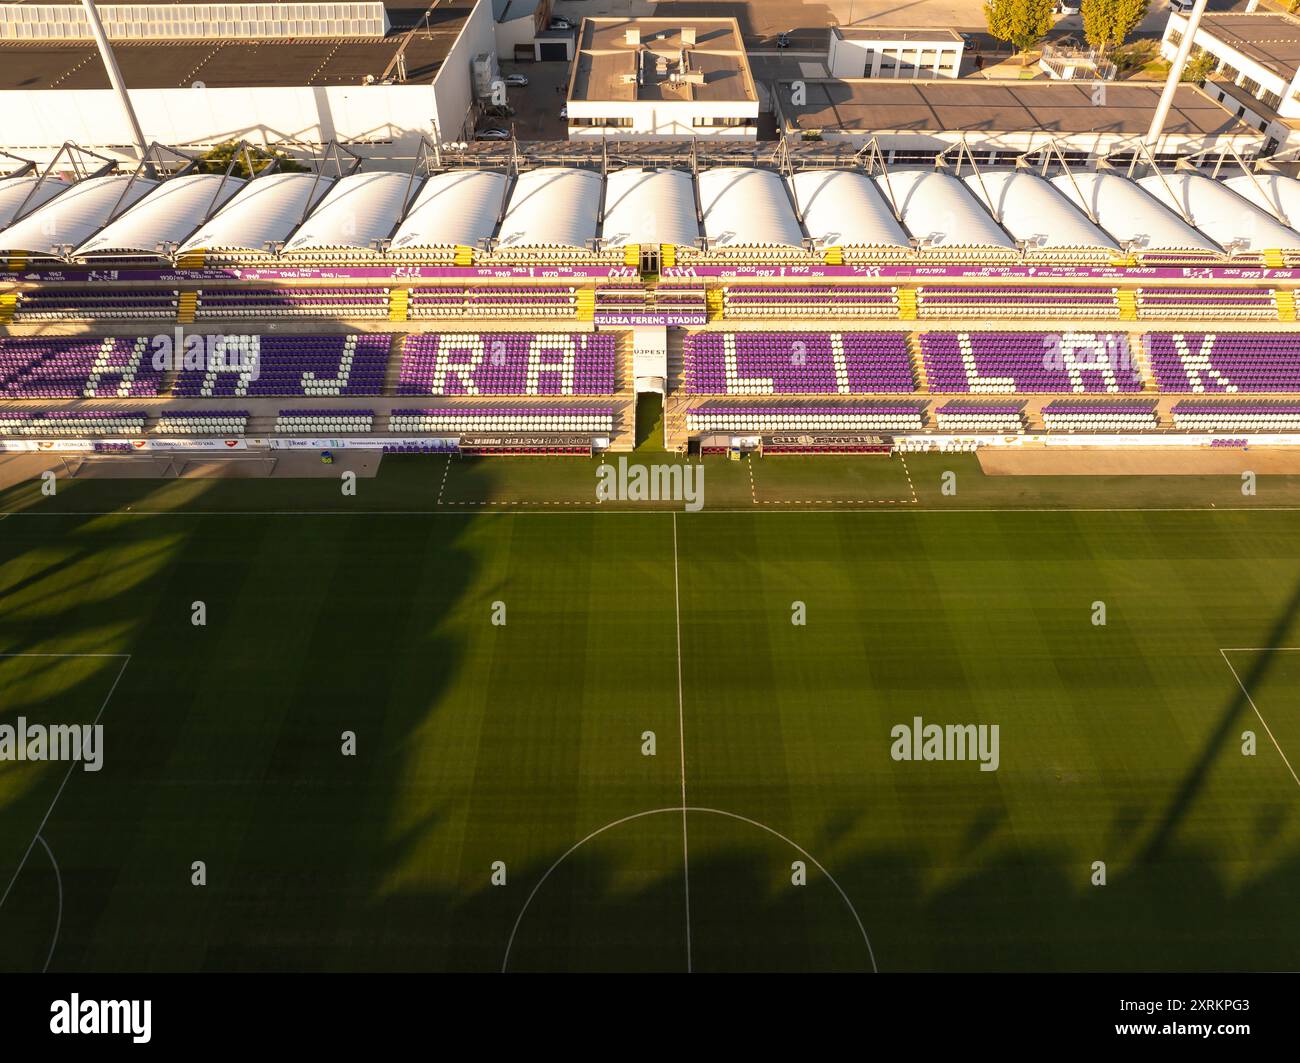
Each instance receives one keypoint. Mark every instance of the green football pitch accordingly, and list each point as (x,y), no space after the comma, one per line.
(595,737)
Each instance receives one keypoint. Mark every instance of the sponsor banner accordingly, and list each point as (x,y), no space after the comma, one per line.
(835,439)
(16,445)
(525,439)
(1144,439)
(667,319)
(338,273)
(1020,272)
(447,443)
(174,443)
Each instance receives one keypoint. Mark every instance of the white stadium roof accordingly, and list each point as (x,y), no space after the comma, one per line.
(1271,191)
(69,220)
(552,206)
(167,217)
(1220,213)
(747,208)
(457,207)
(1129,214)
(842,208)
(362,209)
(265,213)
(645,206)
(1031,210)
(939,212)
(15,190)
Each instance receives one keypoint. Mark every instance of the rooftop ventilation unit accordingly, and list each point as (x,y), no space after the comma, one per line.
(688,36)
(633,37)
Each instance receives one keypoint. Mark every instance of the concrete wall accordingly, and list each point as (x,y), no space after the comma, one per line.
(454,84)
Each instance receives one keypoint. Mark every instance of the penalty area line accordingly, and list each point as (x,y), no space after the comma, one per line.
(71,767)
(1267,730)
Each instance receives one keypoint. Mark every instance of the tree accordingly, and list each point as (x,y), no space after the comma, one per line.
(216,159)
(1021,23)
(1108,23)
(1200,65)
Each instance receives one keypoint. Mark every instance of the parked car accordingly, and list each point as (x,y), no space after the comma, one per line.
(783,40)
(559,24)
(492,134)
(1181,6)
(517,80)
(564,111)
(1067,7)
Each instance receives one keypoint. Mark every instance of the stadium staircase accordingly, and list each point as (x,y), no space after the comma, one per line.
(464,256)
(186,307)
(1285,305)
(399,304)
(585,304)
(17,262)
(714,302)
(834,256)
(631,254)
(624,370)
(906,304)
(1142,363)
(8,304)
(1273,258)
(190,260)
(667,256)
(1126,301)
(918,361)
(393,372)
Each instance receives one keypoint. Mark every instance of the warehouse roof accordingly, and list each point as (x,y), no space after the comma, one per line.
(235,63)
(948,106)
(1270,39)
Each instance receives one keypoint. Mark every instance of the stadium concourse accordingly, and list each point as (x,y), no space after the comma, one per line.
(516,304)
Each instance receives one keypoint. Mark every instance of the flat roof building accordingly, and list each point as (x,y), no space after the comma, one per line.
(661,79)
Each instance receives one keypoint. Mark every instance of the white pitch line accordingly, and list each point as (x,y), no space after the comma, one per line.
(871,953)
(681,741)
(1267,729)
(506,510)
(58,922)
(71,767)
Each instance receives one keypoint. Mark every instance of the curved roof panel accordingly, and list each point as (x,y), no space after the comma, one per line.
(265,213)
(747,208)
(69,220)
(842,208)
(647,206)
(457,207)
(552,206)
(359,211)
(1130,215)
(1034,212)
(1269,191)
(1221,214)
(15,190)
(167,217)
(938,211)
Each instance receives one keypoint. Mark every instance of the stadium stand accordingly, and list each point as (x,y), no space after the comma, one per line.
(1008,363)
(39,367)
(1243,416)
(1075,415)
(1226,363)
(508,363)
(77,424)
(964,415)
(794,363)
(200,423)
(220,303)
(504,419)
(870,417)
(74,304)
(292,365)
(330,422)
